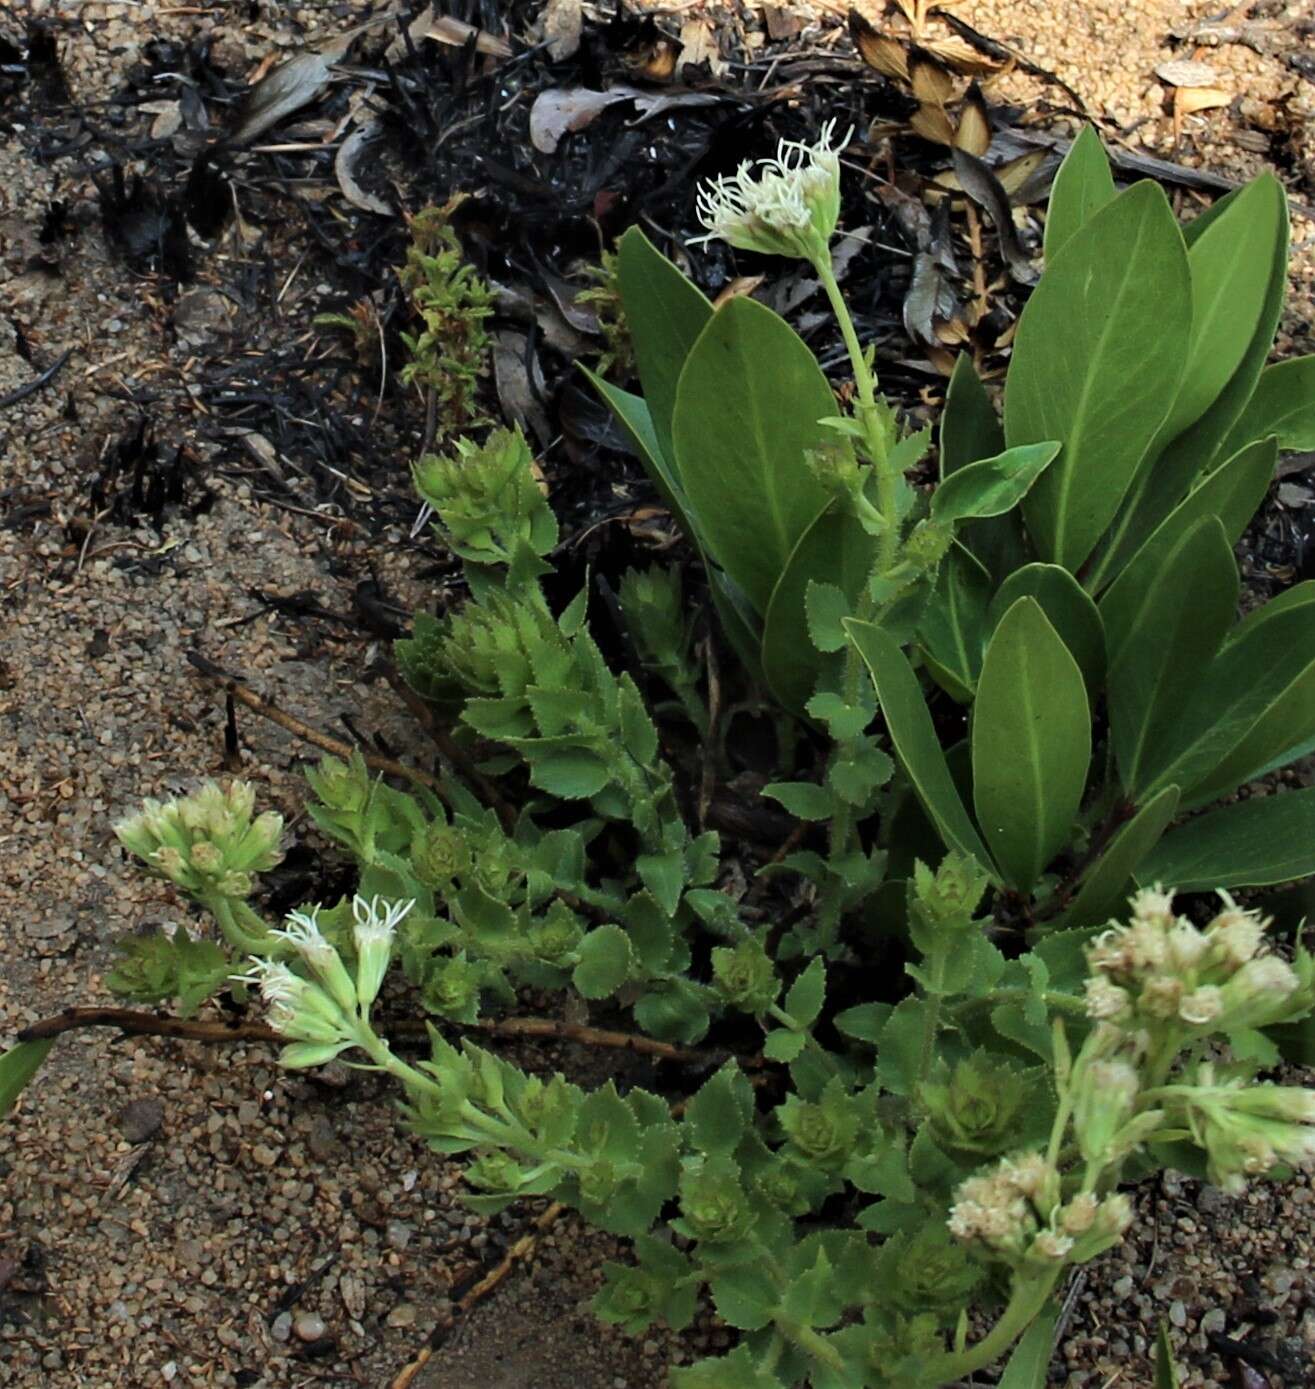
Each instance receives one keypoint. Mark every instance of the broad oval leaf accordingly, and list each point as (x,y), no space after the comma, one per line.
(1083,185)
(1283,405)
(745,418)
(1105,885)
(1069,610)
(955,626)
(834,549)
(665,313)
(1031,743)
(1161,641)
(914,738)
(1230,266)
(1251,843)
(1198,448)
(969,428)
(1233,492)
(1097,360)
(992,486)
(1257,702)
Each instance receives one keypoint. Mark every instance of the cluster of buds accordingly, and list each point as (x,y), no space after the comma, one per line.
(1014,1213)
(787,206)
(1160,970)
(208,843)
(1246,1129)
(325,1010)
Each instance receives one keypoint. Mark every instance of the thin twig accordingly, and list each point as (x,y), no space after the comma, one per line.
(519,1252)
(251,700)
(36,383)
(136,1022)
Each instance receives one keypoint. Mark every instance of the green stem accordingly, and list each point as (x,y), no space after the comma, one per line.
(1056,1002)
(227,911)
(811,1342)
(1026,1300)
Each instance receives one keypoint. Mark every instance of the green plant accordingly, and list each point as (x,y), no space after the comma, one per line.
(917,1138)
(1069,579)
(450,352)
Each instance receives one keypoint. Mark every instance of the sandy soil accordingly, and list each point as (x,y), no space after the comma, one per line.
(178,1215)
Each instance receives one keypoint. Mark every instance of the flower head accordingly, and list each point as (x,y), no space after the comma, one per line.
(301,1011)
(788,206)
(374,930)
(304,934)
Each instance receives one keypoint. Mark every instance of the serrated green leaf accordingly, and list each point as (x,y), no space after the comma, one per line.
(804,1001)
(674,1010)
(745,1297)
(1031,743)
(855,779)
(606,961)
(1251,843)
(864,1021)
(664,876)
(783,1045)
(827,607)
(899,1051)
(739,456)
(843,721)
(719,1112)
(1082,186)
(1097,361)
(805,800)
(571,773)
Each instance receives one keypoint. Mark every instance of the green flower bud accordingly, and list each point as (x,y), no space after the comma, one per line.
(779,1186)
(341,786)
(495,1171)
(452,989)
(951,895)
(555,938)
(823,1132)
(927,1272)
(599,1181)
(745,976)
(1105,1095)
(980,1108)
(713,1204)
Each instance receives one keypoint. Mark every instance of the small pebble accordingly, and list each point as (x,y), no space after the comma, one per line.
(404,1314)
(309,1327)
(281,1327)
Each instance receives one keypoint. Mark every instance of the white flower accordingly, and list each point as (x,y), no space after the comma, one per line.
(374,943)
(1201,1007)
(303,932)
(298,1009)
(788,206)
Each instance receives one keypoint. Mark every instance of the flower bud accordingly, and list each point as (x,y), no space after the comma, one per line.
(1105,1096)
(374,929)
(1201,1007)
(304,934)
(1106,1001)
(1257,992)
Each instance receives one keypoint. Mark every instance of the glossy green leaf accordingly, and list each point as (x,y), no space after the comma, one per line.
(1106,883)
(1233,492)
(1097,360)
(955,626)
(745,419)
(834,550)
(1083,185)
(632,413)
(1257,703)
(1229,264)
(1252,843)
(914,737)
(1029,1364)
(17,1067)
(969,429)
(1168,633)
(1069,610)
(1031,743)
(994,485)
(1283,405)
(665,314)
(1275,652)
(1167,478)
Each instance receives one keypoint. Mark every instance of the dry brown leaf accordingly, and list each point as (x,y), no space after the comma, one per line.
(740,286)
(932,124)
(698,45)
(1189,100)
(1187,72)
(445,29)
(1015,175)
(974,132)
(933,83)
(562,24)
(879,51)
(961,55)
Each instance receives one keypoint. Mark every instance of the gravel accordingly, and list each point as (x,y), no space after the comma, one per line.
(182,1215)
